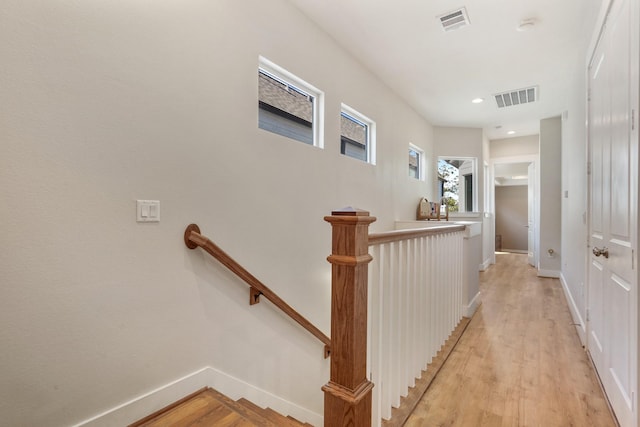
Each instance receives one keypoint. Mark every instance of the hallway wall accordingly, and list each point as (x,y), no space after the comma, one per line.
(549,260)
(516,146)
(574,186)
(116,101)
(462,142)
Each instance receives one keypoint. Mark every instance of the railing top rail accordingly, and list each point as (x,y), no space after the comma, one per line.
(194,239)
(397,235)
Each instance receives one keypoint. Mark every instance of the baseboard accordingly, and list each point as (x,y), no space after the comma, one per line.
(515,251)
(235,388)
(471,308)
(579,323)
(487,262)
(555,274)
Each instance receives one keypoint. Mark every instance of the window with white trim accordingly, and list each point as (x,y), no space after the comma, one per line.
(287,105)
(456,183)
(357,135)
(416,162)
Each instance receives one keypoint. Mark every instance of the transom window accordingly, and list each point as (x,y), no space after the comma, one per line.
(287,105)
(357,135)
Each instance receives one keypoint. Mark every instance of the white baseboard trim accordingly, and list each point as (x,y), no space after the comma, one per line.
(148,403)
(515,251)
(549,273)
(580,324)
(487,262)
(472,306)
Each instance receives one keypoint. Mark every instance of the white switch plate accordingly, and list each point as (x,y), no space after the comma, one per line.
(148,210)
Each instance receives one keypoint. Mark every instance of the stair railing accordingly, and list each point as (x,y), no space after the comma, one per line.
(193,239)
(415,301)
(419,266)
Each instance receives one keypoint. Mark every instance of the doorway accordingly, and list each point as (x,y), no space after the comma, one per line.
(512,207)
(514,203)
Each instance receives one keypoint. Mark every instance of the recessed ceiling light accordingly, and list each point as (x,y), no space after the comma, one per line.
(477,100)
(511,132)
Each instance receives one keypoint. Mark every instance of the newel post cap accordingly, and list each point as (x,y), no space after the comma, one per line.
(350,215)
(350,211)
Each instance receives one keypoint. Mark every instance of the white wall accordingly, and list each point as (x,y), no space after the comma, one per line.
(109,102)
(469,142)
(574,200)
(575,182)
(461,142)
(550,201)
(518,149)
(488,220)
(516,146)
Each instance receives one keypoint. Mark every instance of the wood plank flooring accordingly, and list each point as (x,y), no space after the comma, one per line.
(519,363)
(208,408)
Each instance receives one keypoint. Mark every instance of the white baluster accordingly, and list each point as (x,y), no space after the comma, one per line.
(386,333)
(374,317)
(415,303)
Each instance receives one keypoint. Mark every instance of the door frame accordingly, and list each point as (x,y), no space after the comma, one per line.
(525,158)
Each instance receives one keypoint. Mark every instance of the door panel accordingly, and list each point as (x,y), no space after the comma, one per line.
(619,70)
(599,113)
(619,365)
(597,336)
(612,293)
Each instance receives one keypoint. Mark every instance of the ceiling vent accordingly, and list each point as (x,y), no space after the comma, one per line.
(454,20)
(517,97)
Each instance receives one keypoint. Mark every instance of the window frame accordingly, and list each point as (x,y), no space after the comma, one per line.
(474,182)
(296,83)
(421,162)
(370,143)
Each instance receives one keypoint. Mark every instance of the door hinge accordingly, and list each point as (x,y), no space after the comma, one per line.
(587,315)
(588,168)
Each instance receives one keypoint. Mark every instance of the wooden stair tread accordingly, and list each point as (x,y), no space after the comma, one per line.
(208,407)
(300,423)
(273,416)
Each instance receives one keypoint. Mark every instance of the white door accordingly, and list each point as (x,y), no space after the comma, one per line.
(612,293)
(530,215)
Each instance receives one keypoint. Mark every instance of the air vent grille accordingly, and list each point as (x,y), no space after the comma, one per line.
(454,20)
(517,97)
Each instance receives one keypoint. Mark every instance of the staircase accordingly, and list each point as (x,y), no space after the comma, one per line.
(208,407)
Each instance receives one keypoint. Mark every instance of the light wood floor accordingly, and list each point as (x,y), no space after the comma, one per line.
(519,363)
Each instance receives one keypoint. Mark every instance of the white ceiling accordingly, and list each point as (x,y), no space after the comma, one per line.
(439,73)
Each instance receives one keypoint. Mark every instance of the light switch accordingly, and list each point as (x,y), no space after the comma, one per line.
(148,210)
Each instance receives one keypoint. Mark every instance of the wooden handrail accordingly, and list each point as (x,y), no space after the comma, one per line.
(397,235)
(193,239)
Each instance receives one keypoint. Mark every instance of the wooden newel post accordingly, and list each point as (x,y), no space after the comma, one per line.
(347,395)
